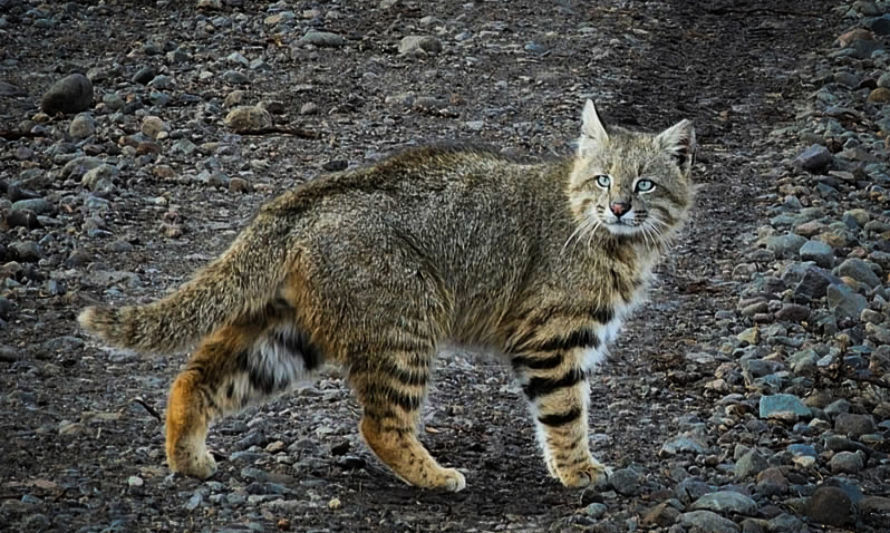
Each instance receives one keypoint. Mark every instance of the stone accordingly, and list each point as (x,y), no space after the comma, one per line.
(750,335)
(879,95)
(813,284)
(779,405)
(625,481)
(815,159)
(38,206)
(82,126)
(785,246)
(726,501)
(844,302)
(25,251)
(144,75)
(793,312)
(322,39)
(663,514)
(71,94)
(879,334)
(708,521)
(99,178)
(853,425)
(595,510)
(681,444)
(419,45)
(248,118)
(309,108)
(846,463)
(875,504)
(750,464)
(153,126)
(858,270)
(830,506)
(817,252)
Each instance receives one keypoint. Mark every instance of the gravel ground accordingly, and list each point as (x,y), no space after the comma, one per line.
(750,395)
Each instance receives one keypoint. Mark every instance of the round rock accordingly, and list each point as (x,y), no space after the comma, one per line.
(82,126)
(419,45)
(830,506)
(71,94)
(248,118)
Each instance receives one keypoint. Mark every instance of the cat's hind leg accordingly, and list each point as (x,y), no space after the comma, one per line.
(237,365)
(391,383)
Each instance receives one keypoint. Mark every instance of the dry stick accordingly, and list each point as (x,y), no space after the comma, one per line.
(297,132)
(151,410)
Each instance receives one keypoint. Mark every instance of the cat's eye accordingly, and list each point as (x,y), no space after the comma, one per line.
(603,181)
(645,185)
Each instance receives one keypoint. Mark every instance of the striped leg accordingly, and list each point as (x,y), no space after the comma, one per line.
(554,379)
(235,366)
(391,383)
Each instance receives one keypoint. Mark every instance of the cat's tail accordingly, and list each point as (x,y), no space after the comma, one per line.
(242,281)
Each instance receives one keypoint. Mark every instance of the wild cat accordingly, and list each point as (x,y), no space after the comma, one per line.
(374,269)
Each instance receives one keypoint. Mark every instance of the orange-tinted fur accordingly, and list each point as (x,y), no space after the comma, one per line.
(376,269)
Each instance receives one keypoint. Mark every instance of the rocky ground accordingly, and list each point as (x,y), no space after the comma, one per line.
(751,395)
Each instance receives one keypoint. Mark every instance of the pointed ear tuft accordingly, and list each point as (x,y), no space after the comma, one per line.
(679,141)
(593,133)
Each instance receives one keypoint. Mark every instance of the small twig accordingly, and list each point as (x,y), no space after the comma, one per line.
(296,132)
(151,410)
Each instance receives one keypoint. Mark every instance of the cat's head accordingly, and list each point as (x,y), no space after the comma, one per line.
(630,183)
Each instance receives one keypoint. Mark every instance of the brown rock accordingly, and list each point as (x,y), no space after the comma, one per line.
(881,95)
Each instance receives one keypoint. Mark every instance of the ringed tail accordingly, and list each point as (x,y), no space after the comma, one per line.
(240,282)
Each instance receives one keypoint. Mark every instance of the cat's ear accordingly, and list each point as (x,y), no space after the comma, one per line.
(679,142)
(593,133)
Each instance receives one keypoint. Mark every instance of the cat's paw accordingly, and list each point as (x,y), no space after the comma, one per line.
(451,480)
(201,466)
(590,473)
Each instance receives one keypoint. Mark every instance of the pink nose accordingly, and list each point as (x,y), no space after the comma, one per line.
(619,208)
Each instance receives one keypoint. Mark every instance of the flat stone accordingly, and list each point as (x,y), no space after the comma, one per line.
(813,283)
(322,39)
(779,405)
(785,246)
(875,504)
(793,312)
(419,45)
(815,159)
(625,481)
(595,510)
(248,118)
(844,302)
(38,206)
(846,463)
(818,252)
(854,425)
(726,501)
(750,464)
(681,444)
(708,521)
(830,506)
(858,270)
(71,94)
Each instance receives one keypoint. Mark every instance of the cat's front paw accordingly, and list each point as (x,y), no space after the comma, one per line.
(589,473)
(199,465)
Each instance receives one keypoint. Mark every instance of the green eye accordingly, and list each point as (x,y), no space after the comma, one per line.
(645,186)
(603,181)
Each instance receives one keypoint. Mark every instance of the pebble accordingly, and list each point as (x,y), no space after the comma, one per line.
(626,481)
(681,444)
(846,463)
(783,406)
(99,179)
(708,521)
(830,506)
(726,501)
(323,39)
(38,206)
(793,313)
(750,464)
(818,252)
(815,159)
(82,126)
(71,94)
(419,45)
(248,118)
(153,126)
(858,270)
(595,510)
(844,302)
(854,425)
(785,246)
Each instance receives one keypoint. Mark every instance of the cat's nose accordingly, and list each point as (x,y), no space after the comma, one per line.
(619,208)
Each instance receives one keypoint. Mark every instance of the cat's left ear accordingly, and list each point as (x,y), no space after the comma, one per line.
(593,133)
(679,142)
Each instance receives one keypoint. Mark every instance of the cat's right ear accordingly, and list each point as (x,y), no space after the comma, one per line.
(593,133)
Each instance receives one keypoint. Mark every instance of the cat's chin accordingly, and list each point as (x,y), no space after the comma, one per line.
(623,230)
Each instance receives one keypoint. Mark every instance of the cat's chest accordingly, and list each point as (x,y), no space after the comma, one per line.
(606,332)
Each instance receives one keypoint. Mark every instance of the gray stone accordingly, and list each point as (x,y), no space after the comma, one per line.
(830,506)
(818,252)
(844,302)
(814,159)
(322,39)
(785,246)
(858,270)
(708,521)
(750,464)
(82,126)
(853,425)
(781,405)
(248,118)
(786,523)
(726,501)
(144,75)
(25,251)
(595,510)
(38,206)
(71,94)
(813,284)
(419,45)
(625,481)
(234,77)
(793,312)
(837,407)
(846,463)
(100,178)
(681,444)
(878,333)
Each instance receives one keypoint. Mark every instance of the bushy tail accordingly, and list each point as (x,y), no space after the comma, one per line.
(241,281)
